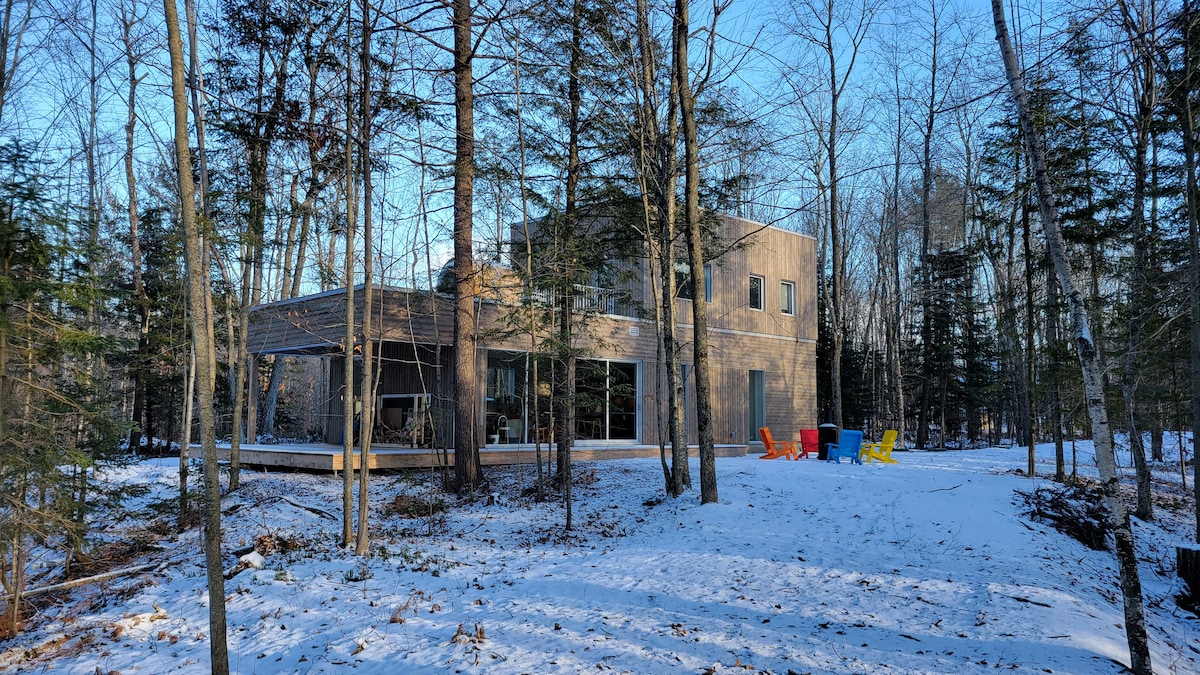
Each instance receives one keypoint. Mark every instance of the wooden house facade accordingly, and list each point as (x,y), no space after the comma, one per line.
(762,315)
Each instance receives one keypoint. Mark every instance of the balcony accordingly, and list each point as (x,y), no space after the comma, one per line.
(596,299)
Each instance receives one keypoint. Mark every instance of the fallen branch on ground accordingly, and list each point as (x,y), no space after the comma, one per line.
(947,489)
(84,581)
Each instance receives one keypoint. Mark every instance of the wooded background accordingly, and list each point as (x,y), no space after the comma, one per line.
(937,301)
(884,129)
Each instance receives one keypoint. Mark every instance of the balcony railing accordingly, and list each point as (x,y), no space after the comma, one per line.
(596,299)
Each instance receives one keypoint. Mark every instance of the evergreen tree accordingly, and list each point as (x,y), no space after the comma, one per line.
(56,418)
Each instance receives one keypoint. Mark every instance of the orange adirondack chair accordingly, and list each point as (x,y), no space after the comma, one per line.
(776,449)
(810,441)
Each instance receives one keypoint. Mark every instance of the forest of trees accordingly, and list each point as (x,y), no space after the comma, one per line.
(335,144)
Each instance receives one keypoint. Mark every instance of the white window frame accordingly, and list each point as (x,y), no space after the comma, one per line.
(787,299)
(708,283)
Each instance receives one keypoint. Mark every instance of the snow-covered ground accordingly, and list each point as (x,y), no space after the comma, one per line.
(926,566)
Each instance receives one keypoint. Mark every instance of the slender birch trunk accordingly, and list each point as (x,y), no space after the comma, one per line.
(1117,515)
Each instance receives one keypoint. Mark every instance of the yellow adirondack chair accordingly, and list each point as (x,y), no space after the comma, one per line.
(882,450)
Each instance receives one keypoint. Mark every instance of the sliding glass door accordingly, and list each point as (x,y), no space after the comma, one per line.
(606,408)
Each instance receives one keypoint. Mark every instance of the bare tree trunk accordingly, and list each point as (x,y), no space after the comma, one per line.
(5,378)
(301,216)
(1140,295)
(1054,398)
(1157,431)
(1030,375)
(1118,517)
(566,399)
(16,580)
(1060,467)
(836,246)
(531,368)
(667,178)
(132,59)
(202,340)
(198,101)
(293,271)
(90,258)
(349,400)
(691,145)
(1193,217)
(656,170)
(838,32)
(240,362)
(271,401)
(895,316)
(1137,445)
(367,423)
(270,107)
(12,38)
(12,579)
(927,299)
(196,91)
(185,444)
(467,472)
(662,175)
(564,396)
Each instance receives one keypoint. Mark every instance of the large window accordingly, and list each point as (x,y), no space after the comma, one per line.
(787,299)
(606,407)
(506,401)
(756,292)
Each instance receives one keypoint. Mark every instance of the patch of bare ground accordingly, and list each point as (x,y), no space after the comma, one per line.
(409,506)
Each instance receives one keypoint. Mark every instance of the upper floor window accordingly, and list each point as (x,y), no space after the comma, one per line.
(787,299)
(756,291)
(684,288)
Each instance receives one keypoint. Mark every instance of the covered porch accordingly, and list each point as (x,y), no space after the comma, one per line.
(414,408)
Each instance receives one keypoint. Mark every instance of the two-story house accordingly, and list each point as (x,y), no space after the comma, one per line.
(762,316)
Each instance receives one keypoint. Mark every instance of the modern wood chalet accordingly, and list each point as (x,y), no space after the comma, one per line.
(762,314)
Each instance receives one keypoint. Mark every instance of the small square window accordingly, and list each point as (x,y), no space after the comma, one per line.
(787,299)
(756,292)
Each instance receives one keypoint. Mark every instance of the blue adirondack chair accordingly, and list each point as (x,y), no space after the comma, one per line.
(848,445)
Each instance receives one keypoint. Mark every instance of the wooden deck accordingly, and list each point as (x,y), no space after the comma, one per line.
(327,457)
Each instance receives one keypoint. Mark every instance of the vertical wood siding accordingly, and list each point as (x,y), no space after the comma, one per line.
(415,328)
